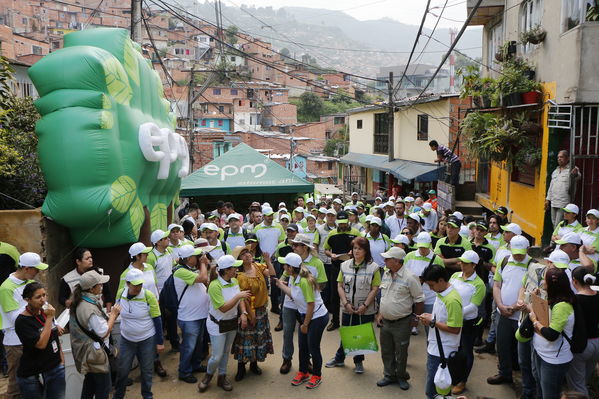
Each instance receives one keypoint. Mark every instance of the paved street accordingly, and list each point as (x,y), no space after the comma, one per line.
(337,383)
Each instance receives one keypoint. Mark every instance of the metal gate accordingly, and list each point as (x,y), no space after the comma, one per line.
(584,150)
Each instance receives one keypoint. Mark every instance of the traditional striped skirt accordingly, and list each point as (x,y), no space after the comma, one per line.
(252,344)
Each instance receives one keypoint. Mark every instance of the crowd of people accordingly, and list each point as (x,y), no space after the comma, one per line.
(206,282)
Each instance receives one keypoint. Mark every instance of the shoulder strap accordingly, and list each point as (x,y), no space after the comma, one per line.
(186,285)
(92,335)
(440,346)
(225,246)
(432,260)
(505,261)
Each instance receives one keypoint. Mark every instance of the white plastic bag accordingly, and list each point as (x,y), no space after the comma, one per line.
(442,379)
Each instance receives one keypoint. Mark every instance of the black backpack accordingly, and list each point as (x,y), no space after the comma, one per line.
(169,301)
(578,341)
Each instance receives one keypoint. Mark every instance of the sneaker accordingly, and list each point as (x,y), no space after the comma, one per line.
(300,378)
(334,363)
(414,330)
(314,382)
(359,368)
(498,379)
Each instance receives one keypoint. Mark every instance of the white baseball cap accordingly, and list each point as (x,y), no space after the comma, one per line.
(389,203)
(134,276)
(368,218)
(571,208)
(310,200)
(458,214)
(331,212)
(310,216)
(267,210)
(235,216)
(227,261)
(299,209)
(376,220)
(422,240)
(158,235)
(282,204)
(593,212)
(512,228)
(559,258)
(139,248)
(408,199)
(391,198)
(415,216)
(31,259)
(338,201)
(284,216)
(378,198)
(394,253)
(427,206)
(174,226)
(210,226)
(292,259)
(354,193)
(322,210)
(185,251)
(570,238)
(519,245)
(266,204)
(469,257)
(401,239)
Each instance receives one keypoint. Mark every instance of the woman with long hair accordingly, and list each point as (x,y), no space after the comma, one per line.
(253,342)
(314,316)
(41,369)
(583,364)
(552,354)
(358,283)
(226,302)
(440,231)
(83,263)
(89,320)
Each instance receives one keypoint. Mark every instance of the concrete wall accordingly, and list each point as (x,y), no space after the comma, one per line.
(406,143)
(362,140)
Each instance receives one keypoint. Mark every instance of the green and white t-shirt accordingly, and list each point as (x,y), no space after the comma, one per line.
(416,263)
(195,302)
(561,318)
(269,236)
(220,292)
(316,267)
(564,228)
(377,247)
(163,265)
(149,276)
(137,314)
(472,290)
(303,293)
(511,277)
(447,309)
(12,304)
(591,239)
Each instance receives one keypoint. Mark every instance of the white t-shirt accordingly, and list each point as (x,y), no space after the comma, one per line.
(195,302)
(136,315)
(447,309)
(511,281)
(269,236)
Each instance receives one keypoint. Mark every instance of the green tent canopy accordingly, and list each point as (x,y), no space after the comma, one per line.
(242,170)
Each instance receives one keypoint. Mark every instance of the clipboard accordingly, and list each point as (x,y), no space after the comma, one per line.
(541,308)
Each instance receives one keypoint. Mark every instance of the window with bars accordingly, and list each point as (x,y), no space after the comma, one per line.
(381,133)
(423,127)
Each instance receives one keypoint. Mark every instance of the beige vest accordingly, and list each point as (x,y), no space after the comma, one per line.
(357,283)
(87,358)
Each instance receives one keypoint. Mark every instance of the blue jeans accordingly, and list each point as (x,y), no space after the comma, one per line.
(467,345)
(145,351)
(352,320)
(309,345)
(549,377)
(221,346)
(53,387)
(289,317)
(96,385)
(525,361)
(192,333)
(432,363)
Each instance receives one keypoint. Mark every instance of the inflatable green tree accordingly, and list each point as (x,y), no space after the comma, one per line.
(107,145)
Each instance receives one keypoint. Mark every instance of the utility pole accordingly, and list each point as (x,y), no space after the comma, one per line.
(190,120)
(291,150)
(390,116)
(136,20)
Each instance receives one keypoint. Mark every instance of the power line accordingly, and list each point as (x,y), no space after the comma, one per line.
(432,32)
(428,3)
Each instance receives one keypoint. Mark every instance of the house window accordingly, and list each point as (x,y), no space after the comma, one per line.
(221,108)
(220,123)
(240,103)
(251,104)
(339,120)
(203,39)
(423,127)
(36,50)
(381,135)
(232,58)
(330,165)
(216,92)
(530,16)
(203,123)
(574,12)
(359,124)
(233,92)
(494,41)
(24,21)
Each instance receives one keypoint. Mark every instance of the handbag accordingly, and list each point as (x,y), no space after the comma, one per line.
(359,339)
(225,325)
(455,362)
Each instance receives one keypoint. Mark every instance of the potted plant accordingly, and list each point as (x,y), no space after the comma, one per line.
(534,35)
(532,95)
(528,155)
(528,127)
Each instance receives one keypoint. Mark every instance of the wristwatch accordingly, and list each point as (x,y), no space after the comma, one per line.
(432,324)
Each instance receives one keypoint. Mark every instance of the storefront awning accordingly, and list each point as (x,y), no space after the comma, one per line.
(402,169)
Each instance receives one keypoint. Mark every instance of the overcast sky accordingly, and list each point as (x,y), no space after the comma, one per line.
(406,11)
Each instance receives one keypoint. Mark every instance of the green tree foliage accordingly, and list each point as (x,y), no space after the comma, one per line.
(337,146)
(309,108)
(231,34)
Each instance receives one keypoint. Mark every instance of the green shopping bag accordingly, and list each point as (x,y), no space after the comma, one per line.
(358,340)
